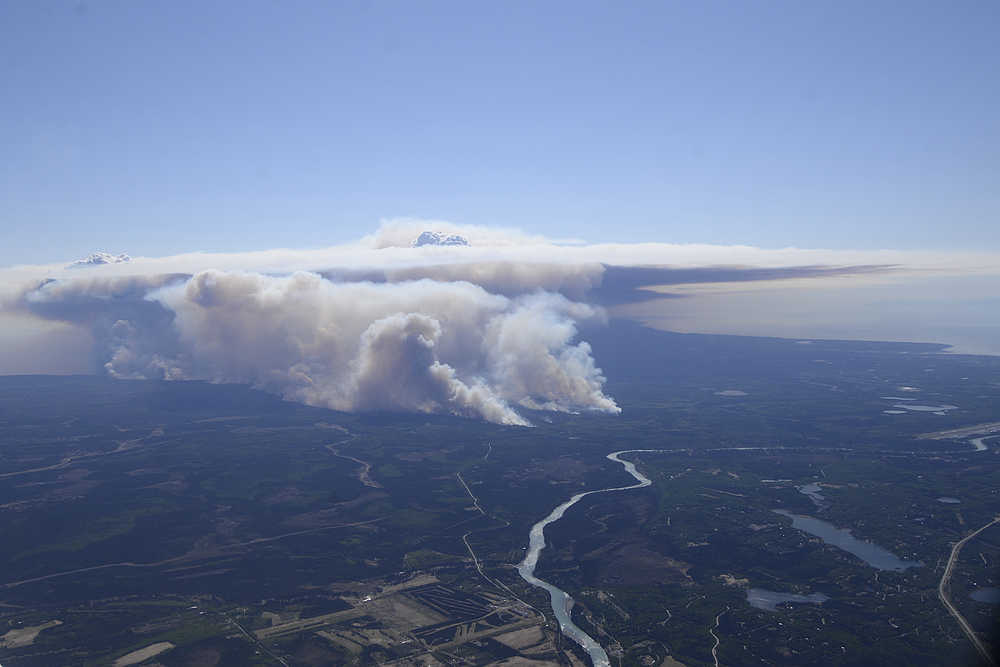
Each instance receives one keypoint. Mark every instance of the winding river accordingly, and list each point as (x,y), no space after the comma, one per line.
(562,603)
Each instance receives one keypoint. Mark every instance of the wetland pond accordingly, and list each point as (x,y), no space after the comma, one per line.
(761,598)
(873,554)
(987,595)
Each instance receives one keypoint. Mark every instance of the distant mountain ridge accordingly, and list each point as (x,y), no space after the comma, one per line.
(100,258)
(440,238)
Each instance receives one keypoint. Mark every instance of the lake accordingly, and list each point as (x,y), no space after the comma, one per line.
(936,409)
(869,552)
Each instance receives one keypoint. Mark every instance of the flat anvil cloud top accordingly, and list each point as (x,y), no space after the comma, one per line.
(483,330)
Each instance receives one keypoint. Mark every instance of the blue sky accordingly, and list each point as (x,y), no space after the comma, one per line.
(160,127)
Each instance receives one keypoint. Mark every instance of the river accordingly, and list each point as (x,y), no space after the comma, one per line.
(562,602)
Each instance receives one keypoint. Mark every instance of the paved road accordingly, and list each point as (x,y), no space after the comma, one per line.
(711,631)
(943,594)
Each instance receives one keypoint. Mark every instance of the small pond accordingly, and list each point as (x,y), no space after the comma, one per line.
(987,595)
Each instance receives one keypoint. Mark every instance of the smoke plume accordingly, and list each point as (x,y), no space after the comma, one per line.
(415,346)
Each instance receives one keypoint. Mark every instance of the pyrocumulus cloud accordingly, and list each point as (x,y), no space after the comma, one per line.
(416,346)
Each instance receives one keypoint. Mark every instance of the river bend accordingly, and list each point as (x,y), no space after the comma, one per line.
(562,603)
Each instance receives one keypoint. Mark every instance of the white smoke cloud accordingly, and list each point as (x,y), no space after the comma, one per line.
(419,346)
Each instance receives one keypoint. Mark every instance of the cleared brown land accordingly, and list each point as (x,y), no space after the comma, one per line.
(25,636)
(135,657)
